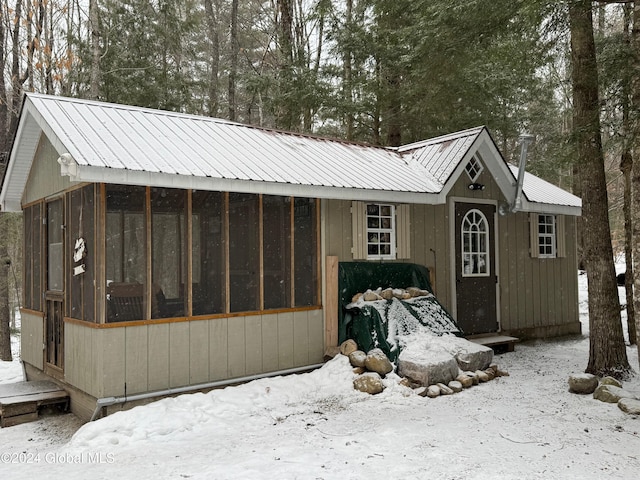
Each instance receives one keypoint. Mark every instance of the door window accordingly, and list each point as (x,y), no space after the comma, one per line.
(475,244)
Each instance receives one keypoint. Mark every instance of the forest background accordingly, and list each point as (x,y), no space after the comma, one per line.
(385,72)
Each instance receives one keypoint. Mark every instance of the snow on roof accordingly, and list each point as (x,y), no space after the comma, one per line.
(131,145)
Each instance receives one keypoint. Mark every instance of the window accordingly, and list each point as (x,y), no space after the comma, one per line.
(276,244)
(475,244)
(546,236)
(305,256)
(474,168)
(381,235)
(244,252)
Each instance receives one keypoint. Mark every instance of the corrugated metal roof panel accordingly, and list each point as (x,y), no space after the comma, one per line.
(538,190)
(121,137)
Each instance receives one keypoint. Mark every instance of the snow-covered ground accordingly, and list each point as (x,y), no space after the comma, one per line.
(315,426)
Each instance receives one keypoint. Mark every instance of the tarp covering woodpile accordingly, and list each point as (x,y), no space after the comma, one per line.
(382,323)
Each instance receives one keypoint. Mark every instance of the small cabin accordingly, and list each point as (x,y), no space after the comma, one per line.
(166,252)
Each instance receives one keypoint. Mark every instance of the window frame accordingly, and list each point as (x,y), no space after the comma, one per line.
(378,231)
(482,247)
(544,236)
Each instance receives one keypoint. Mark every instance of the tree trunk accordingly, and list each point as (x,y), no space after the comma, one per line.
(347,67)
(4,111)
(233,70)
(214,67)
(635,169)
(94,26)
(626,164)
(285,112)
(5,318)
(607,351)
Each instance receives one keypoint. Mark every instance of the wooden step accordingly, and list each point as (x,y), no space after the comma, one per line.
(499,343)
(20,402)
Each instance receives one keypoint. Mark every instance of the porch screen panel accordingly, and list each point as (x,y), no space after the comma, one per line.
(80,237)
(244,252)
(55,252)
(169,252)
(208,262)
(32,291)
(276,219)
(125,243)
(305,252)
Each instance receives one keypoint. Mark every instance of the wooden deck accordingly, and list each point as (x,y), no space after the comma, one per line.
(21,401)
(499,343)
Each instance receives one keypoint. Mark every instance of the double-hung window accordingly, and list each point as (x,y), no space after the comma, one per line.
(381,231)
(547,235)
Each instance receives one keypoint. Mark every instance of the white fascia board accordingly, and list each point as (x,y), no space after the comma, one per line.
(155,179)
(550,208)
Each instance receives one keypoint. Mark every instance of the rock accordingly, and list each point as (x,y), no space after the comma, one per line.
(470,356)
(611,381)
(433,391)
(583,383)
(369,382)
(359,370)
(370,296)
(611,394)
(387,293)
(377,361)
(474,377)
(494,367)
(629,405)
(490,373)
(348,347)
(422,391)
(465,380)
(425,365)
(482,376)
(417,292)
(356,297)
(444,390)
(357,358)
(455,385)
(405,382)
(502,373)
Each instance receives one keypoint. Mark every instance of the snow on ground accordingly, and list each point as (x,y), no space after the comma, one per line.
(315,426)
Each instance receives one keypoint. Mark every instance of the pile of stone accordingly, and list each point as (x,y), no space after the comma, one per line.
(428,379)
(389,293)
(606,389)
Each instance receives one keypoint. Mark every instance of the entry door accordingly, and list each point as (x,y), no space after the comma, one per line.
(54,325)
(476,279)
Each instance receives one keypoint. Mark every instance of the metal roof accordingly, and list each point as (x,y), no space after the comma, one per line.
(130,145)
(537,190)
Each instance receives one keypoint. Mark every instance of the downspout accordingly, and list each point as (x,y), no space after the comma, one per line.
(109,401)
(525,140)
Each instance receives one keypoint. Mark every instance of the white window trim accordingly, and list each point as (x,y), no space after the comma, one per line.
(392,231)
(486,253)
(552,236)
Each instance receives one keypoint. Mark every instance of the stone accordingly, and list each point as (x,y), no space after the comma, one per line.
(370,296)
(583,383)
(482,376)
(494,367)
(399,293)
(348,347)
(369,382)
(405,382)
(490,373)
(502,373)
(464,380)
(611,394)
(455,385)
(359,370)
(426,366)
(611,381)
(357,358)
(422,391)
(433,391)
(356,297)
(417,292)
(377,361)
(444,390)
(629,405)
(474,377)
(387,293)
(472,356)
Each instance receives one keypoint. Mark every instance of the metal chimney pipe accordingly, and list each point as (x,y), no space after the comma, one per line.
(525,140)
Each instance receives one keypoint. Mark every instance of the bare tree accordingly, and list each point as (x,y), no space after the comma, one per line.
(94,26)
(607,352)
(212,10)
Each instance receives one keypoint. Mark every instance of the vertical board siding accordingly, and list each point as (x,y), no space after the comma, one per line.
(158,355)
(285,341)
(178,354)
(359,230)
(218,348)
(198,352)
(44,178)
(32,338)
(136,360)
(270,343)
(253,341)
(403,226)
(237,360)
(300,339)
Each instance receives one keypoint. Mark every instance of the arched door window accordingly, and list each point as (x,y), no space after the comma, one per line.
(475,244)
